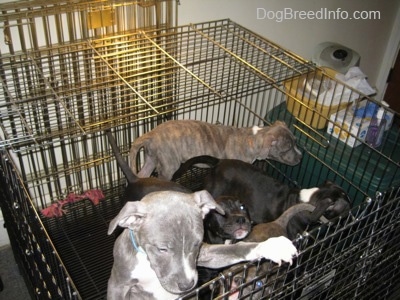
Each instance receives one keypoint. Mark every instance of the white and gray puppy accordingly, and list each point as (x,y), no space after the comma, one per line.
(173,142)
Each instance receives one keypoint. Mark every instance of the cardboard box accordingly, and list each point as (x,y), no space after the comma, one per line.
(348,128)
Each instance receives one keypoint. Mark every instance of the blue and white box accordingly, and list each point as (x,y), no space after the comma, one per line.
(348,128)
(351,125)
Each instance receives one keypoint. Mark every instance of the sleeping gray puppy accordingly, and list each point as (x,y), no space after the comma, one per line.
(173,142)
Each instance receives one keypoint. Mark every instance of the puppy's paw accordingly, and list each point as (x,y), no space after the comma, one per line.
(278,249)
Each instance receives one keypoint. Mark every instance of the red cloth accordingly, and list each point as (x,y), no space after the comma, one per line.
(56,209)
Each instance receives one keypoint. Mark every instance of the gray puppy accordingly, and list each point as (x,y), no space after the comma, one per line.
(174,142)
(156,255)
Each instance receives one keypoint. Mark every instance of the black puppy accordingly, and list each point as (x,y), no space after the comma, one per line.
(267,198)
(234,225)
(137,187)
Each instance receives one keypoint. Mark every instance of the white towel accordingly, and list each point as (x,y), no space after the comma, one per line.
(335,93)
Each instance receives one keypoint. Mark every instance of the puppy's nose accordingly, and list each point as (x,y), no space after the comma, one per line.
(184,286)
(241,220)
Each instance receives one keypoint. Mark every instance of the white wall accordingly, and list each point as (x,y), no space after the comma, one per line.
(370,38)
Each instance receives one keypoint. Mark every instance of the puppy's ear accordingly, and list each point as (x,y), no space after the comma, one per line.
(327,183)
(320,208)
(131,216)
(206,203)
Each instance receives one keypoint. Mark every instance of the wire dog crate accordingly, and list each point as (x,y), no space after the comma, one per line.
(71,70)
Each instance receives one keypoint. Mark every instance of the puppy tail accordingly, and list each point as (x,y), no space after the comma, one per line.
(130,176)
(202,159)
(140,142)
(284,219)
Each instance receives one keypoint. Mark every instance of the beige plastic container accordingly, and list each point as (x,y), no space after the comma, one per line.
(306,108)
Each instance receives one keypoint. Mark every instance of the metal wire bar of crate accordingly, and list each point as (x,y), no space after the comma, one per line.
(31,25)
(59,96)
(38,260)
